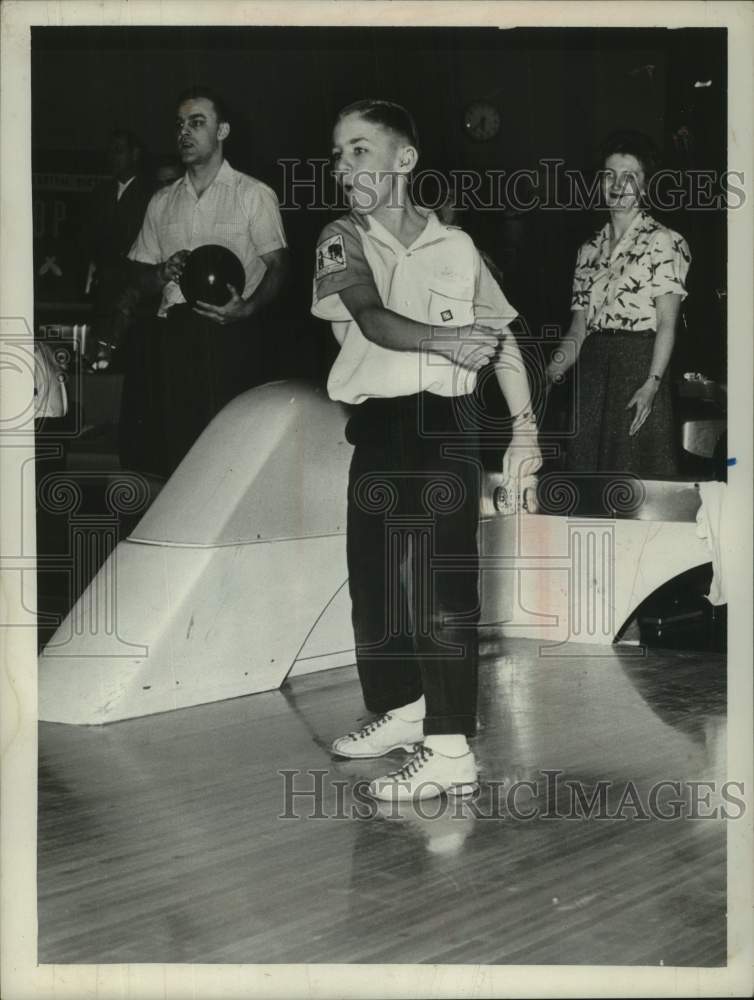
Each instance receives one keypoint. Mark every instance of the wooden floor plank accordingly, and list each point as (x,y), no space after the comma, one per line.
(161,839)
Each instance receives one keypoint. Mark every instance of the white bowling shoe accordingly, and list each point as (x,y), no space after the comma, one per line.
(426,775)
(379,737)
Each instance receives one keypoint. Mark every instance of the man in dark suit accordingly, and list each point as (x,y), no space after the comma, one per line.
(117,212)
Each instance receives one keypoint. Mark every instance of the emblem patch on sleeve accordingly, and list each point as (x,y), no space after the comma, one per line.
(331,256)
(446,314)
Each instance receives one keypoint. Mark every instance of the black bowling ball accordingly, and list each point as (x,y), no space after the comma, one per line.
(207,273)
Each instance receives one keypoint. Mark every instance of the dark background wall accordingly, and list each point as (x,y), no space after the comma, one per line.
(558,91)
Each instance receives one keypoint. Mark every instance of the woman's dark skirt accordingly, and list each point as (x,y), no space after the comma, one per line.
(612,366)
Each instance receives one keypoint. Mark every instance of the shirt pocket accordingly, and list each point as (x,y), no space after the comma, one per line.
(453,306)
(231,234)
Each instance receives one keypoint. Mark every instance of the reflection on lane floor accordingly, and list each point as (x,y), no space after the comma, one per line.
(227,833)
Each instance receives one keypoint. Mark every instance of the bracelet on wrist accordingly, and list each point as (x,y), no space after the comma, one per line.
(525,420)
(108,345)
(655,378)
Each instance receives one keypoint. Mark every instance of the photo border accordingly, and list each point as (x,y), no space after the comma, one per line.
(21,976)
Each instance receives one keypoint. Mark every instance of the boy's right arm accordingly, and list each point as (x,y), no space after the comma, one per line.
(470,346)
(345,287)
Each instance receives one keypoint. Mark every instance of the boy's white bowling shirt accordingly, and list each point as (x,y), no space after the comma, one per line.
(439,280)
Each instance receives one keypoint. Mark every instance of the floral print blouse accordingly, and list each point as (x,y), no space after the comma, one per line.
(618,290)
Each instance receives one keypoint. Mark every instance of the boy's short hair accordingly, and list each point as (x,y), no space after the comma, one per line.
(391,116)
(197,92)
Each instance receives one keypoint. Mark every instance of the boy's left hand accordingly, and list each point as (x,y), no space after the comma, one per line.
(233,310)
(522,457)
(521,461)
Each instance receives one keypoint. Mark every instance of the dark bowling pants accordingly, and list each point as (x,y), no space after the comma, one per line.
(206,366)
(413,513)
(141,428)
(182,371)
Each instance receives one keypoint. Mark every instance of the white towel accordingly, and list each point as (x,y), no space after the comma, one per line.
(711,524)
(50,396)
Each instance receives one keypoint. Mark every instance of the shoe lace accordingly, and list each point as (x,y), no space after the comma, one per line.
(371,727)
(414,765)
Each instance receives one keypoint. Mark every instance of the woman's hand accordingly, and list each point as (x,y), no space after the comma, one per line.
(643,399)
(567,351)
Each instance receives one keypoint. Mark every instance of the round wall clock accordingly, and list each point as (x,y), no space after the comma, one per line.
(481,121)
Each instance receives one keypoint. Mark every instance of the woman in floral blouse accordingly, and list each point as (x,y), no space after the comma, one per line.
(627,292)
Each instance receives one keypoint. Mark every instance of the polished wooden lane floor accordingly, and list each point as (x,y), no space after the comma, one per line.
(161,839)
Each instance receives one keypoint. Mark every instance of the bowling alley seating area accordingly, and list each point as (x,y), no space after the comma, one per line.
(80,448)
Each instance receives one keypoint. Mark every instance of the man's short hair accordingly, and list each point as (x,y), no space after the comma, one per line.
(197,92)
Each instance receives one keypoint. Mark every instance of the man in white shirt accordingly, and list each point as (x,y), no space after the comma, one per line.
(209,353)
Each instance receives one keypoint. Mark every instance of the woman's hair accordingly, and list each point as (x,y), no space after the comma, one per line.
(393,117)
(636,144)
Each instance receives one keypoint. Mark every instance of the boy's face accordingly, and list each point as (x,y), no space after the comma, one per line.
(367,160)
